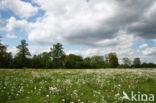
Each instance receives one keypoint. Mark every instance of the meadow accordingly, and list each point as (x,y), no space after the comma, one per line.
(74,86)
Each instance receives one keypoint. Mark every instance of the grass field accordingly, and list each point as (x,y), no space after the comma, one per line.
(74,86)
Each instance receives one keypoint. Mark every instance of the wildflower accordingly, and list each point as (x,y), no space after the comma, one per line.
(63,100)
(47,96)
(116,95)
(53,89)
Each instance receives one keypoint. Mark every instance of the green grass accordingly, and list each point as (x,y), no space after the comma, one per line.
(74,86)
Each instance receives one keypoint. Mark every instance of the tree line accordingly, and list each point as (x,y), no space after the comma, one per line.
(57,58)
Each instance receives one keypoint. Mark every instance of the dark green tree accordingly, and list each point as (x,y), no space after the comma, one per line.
(57,55)
(137,62)
(21,58)
(73,61)
(36,62)
(3,48)
(148,65)
(97,62)
(87,62)
(45,60)
(5,57)
(113,60)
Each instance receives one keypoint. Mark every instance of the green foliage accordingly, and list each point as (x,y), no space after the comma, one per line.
(137,62)
(42,60)
(98,61)
(146,65)
(5,57)
(23,50)
(126,62)
(73,61)
(57,51)
(112,60)
(87,62)
(21,57)
(57,55)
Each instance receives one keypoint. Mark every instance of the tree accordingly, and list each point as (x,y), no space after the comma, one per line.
(57,55)
(87,62)
(73,61)
(106,59)
(36,62)
(98,61)
(136,62)
(3,48)
(45,60)
(126,62)
(113,60)
(21,57)
(2,54)
(5,57)
(148,65)
(57,51)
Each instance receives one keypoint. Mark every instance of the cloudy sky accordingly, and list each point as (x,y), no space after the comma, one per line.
(84,27)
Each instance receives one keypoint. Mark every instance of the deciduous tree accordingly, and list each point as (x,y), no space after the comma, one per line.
(113,60)
(5,57)
(126,62)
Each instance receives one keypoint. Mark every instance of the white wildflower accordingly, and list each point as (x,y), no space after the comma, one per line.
(47,96)
(53,89)
(116,95)
(63,100)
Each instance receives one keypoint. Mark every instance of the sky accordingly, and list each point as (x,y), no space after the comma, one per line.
(84,27)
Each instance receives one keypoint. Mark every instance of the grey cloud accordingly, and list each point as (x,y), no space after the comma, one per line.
(89,37)
(128,13)
(145,29)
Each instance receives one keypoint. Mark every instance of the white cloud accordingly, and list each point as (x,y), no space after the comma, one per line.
(150,51)
(143,46)
(38,49)
(12,23)
(13,50)
(108,42)
(11,36)
(19,7)
(67,17)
